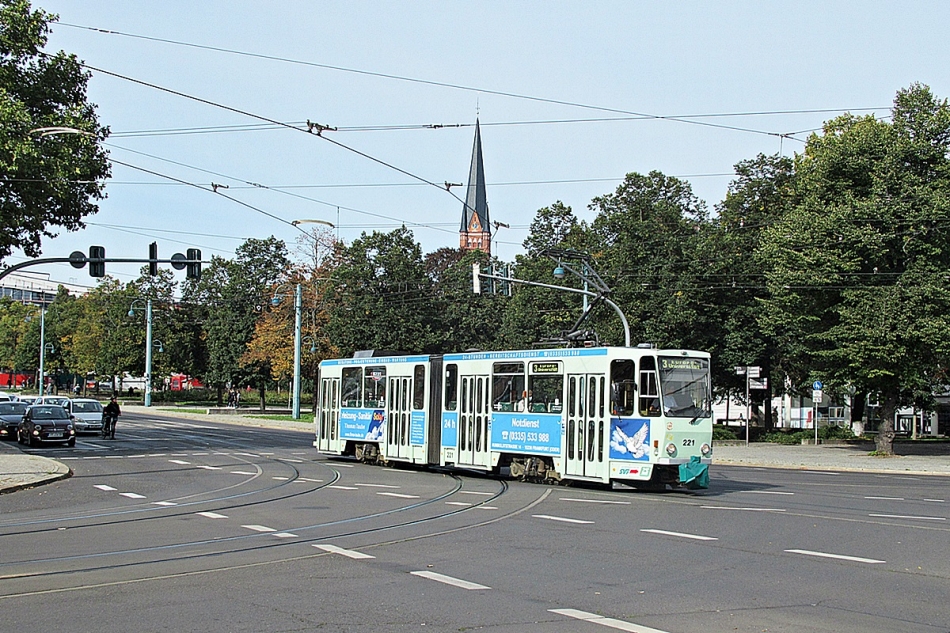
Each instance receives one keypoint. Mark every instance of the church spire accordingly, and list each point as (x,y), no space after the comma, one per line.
(475,233)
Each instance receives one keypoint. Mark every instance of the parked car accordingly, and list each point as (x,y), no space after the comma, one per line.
(27,400)
(10,415)
(46,423)
(7,397)
(86,413)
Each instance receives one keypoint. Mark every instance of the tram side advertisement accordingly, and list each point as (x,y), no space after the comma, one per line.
(530,433)
(362,424)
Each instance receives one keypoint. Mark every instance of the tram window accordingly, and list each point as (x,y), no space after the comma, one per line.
(451,387)
(590,440)
(649,392)
(352,386)
(600,442)
(623,387)
(545,394)
(508,392)
(374,387)
(419,387)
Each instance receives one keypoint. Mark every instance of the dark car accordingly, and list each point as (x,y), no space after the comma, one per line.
(10,415)
(46,423)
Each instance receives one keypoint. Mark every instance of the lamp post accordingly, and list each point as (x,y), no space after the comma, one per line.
(43,347)
(148,347)
(298,308)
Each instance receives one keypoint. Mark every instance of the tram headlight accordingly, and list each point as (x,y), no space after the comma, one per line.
(706,449)
(671,449)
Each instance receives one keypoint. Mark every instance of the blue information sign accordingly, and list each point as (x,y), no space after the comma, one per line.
(817,385)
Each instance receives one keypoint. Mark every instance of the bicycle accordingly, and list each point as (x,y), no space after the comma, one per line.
(108,426)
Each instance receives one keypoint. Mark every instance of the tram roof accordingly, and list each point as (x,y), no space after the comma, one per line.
(561,352)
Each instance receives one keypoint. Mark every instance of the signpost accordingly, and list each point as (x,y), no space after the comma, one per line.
(816,396)
(750,373)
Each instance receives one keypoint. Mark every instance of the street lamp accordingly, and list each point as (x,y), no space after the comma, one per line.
(148,347)
(298,306)
(43,347)
(323,222)
(43,132)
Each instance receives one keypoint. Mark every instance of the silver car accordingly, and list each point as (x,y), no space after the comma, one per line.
(87,414)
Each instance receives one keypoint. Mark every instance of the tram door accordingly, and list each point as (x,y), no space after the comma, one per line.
(329,415)
(473,421)
(397,417)
(587,416)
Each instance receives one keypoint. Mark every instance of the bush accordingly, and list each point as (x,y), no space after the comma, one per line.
(781,437)
(723,433)
(835,433)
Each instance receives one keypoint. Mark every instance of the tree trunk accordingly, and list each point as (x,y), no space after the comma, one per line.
(263,392)
(884,443)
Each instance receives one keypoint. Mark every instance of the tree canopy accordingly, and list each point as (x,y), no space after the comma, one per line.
(47,181)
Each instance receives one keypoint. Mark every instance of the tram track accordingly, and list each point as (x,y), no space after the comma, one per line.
(58,566)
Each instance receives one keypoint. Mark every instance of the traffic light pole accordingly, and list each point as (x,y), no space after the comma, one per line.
(80,262)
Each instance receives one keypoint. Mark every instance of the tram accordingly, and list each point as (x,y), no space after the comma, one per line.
(637,416)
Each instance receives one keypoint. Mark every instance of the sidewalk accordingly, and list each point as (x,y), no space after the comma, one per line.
(18,471)
(917,459)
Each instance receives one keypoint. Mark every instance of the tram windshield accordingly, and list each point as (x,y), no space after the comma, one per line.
(685,385)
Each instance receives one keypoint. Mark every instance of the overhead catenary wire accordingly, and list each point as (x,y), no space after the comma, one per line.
(429,82)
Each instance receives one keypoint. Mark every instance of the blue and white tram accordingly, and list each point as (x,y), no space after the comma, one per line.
(634,415)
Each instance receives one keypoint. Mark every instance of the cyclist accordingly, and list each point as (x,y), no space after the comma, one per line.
(110,416)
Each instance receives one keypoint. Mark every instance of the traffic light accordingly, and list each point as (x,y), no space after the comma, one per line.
(97,263)
(194,264)
(153,259)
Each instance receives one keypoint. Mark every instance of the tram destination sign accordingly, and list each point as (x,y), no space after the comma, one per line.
(680,363)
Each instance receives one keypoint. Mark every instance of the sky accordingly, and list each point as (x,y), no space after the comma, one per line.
(571,96)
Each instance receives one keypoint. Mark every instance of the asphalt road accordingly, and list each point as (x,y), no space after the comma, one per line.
(201,526)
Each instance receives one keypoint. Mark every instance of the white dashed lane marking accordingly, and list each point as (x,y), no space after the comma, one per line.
(619,503)
(743,509)
(682,535)
(259,528)
(593,618)
(104,487)
(211,515)
(333,549)
(132,495)
(906,516)
(856,559)
(561,519)
(448,580)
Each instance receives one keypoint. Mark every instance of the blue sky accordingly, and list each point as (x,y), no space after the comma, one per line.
(542,77)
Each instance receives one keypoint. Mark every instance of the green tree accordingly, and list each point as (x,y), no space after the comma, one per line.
(15,319)
(383,296)
(229,299)
(731,281)
(858,289)
(650,227)
(47,182)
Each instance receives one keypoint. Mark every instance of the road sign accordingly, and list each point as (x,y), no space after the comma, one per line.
(758,383)
(816,396)
(754,372)
(817,385)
